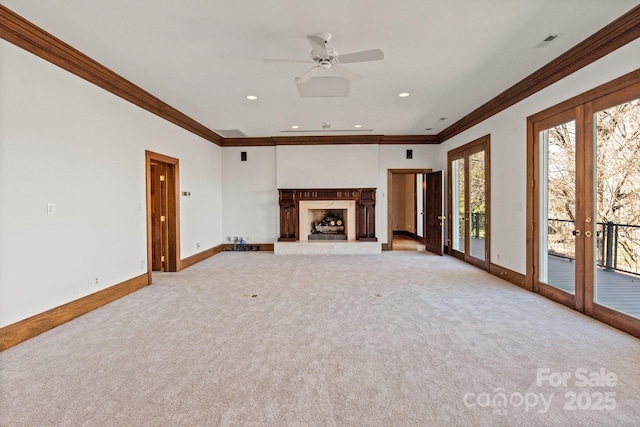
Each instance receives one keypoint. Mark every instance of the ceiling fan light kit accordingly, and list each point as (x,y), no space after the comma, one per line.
(324,87)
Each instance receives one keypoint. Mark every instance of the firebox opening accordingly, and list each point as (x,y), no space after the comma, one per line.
(328,224)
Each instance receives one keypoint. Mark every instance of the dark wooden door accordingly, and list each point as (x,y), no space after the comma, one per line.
(159,233)
(434,218)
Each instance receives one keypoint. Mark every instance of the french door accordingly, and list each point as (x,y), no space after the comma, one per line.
(469,189)
(584,166)
(561,213)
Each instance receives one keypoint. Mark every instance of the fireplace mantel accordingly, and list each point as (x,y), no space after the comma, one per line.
(365,201)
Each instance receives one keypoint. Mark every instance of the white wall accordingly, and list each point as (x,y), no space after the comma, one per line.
(68,142)
(250,196)
(508,151)
(327,166)
(403,210)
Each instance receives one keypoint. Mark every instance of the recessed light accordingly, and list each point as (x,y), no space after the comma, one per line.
(252,97)
(442,119)
(357,126)
(403,94)
(295,127)
(428,128)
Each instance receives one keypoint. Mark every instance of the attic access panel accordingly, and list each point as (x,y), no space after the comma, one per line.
(323,87)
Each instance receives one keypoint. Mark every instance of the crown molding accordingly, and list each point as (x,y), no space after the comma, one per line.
(330,140)
(248,142)
(24,34)
(611,37)
(410,139)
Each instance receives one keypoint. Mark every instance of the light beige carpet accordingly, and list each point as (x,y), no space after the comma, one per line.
(398,339)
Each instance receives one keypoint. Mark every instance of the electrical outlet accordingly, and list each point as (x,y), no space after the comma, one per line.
(97,281)
(197,244)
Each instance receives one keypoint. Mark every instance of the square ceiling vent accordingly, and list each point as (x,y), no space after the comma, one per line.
(322,87)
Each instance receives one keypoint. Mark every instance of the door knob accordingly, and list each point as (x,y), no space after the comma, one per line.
(587,233)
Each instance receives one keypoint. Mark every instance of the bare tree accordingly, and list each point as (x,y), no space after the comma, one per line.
(617,178)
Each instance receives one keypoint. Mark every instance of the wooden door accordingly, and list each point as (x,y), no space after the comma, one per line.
(469,202)
(159,233)
(433,213)
(585,234)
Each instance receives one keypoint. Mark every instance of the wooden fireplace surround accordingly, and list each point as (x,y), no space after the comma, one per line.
(365,199)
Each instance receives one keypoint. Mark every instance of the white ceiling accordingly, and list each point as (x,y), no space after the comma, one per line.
(204,57)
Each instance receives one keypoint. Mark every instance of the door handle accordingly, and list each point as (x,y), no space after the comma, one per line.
(587,233)
(442,217)
(576,232)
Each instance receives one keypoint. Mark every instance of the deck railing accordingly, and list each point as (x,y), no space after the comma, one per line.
(618,245)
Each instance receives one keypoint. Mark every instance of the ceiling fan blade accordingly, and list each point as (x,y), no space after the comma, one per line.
(318,45)
(287,60)
(365,55)
(347,73)
(307,76)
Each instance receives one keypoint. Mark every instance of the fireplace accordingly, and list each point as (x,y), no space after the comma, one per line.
(327,224)
(302,210)
(327,220)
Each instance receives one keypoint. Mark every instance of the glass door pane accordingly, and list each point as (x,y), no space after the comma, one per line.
(558,207)
(617,199)
(420,186)
(458,214)
(477,197)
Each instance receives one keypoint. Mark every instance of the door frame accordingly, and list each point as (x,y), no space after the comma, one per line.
(390,173)
(465,151)
(172,164)
(576,114)
(614,92)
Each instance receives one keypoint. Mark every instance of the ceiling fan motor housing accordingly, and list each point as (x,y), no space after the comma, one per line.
(332,54)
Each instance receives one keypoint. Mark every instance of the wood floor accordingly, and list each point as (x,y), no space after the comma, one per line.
(406,243)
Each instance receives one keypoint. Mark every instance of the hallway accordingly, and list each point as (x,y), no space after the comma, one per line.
(406,243)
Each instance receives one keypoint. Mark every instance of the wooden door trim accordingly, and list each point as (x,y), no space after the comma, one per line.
(390,173)
(173,210)
(463,152)
(575,300)
(620,90)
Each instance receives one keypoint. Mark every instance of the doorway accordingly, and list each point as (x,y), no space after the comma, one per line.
(412,197)
(585,206)
(163,252)
(469,202)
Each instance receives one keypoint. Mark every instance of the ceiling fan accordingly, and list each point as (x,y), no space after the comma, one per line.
(327,58)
